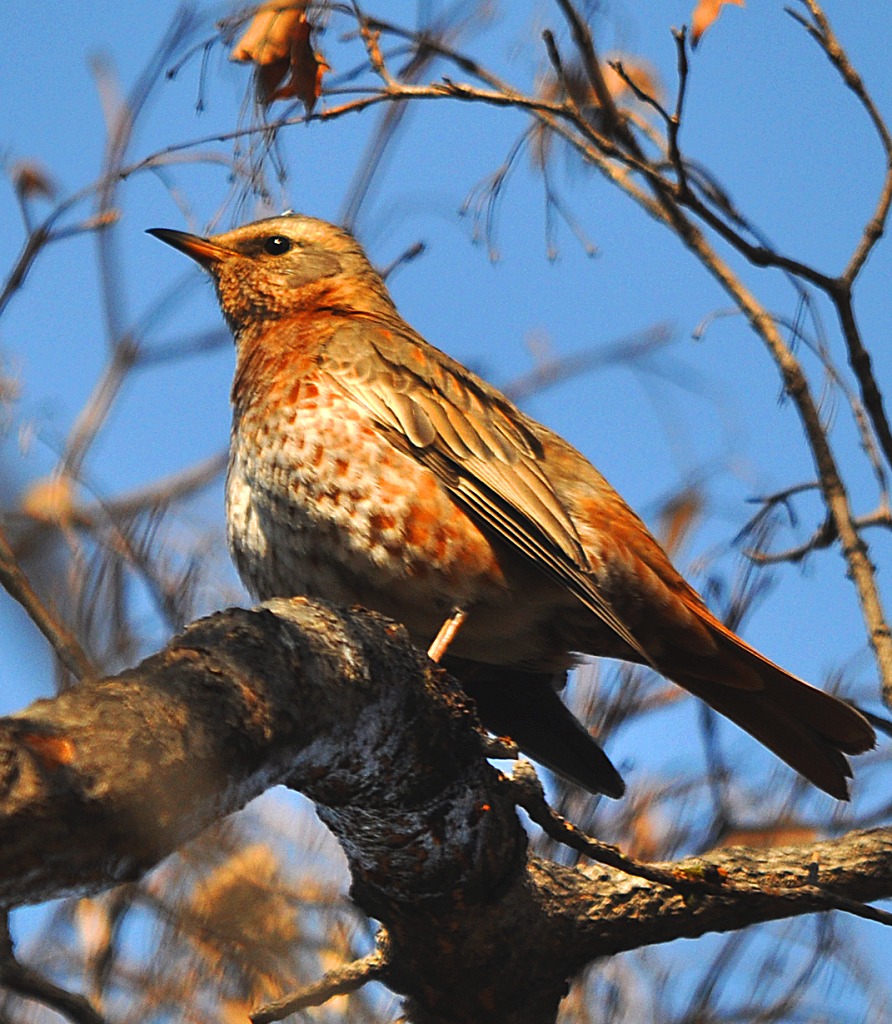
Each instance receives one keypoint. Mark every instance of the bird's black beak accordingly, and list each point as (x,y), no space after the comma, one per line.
(202,250)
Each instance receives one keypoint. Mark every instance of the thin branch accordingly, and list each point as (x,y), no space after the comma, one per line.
(167,490)
(183,348)
(585,44)
(554,58)
(408,254)
(370,38)
(758,255)
(530,795)
(551,371)
(339,982)
(782,497)
(840,290)
(674,123)
(823,537)
(45,234)
(29,984)
(61,639)
(864,423)
(643,97)
(97,407)
(833,489)
(822,32)
(34,244)
(862,367)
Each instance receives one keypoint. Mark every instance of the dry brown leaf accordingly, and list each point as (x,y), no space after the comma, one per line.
(94,925)
(50,500)
(30,179)
(705,14)
(245,904)
(278,42)
(267,38)
(306,70)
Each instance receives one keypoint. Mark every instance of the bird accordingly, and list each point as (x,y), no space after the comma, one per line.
(367,467)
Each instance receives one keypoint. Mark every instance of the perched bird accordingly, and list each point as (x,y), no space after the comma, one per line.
(367,467)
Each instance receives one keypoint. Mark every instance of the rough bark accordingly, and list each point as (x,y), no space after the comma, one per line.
(101,782)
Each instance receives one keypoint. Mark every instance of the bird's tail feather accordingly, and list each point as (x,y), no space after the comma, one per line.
(809,729)
(527,708)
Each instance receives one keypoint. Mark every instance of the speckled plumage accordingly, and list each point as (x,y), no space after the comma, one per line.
(368,467)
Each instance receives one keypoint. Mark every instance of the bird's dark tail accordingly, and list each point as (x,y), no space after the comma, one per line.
(527,708)
(809,729)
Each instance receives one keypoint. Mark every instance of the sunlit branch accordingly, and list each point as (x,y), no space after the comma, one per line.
(339,982)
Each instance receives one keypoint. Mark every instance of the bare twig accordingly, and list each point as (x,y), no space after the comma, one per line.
(62,640)
(840,290)
(551,371)
(531,797)
(862,367)
(863,421)
(45,234)
(648,99)
(585,44)
(415,250)
(341,981)
(823,537)
(29,984)
(167,490)
(97,407)
(674,124)
(822,32)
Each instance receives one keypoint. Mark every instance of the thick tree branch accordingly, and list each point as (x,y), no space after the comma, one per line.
(101,782)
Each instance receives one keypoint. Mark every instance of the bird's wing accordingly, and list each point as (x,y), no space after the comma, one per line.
(474,440)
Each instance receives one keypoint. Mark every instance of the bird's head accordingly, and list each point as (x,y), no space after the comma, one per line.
(277,267)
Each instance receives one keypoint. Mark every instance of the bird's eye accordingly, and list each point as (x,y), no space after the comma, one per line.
(277,245)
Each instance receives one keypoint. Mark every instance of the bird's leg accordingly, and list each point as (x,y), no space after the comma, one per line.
(447,634)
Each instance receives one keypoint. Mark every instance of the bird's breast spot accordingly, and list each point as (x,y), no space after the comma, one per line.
(381,523)
(420,527)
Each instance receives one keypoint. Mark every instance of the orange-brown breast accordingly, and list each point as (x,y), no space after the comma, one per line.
(319,502)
